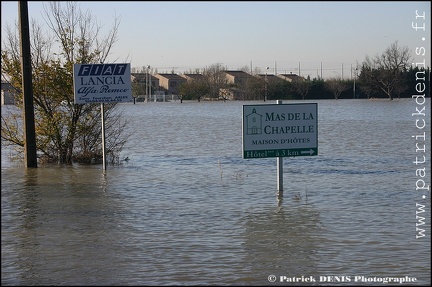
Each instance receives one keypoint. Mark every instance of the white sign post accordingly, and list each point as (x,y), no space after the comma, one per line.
(280,130)
(102,83)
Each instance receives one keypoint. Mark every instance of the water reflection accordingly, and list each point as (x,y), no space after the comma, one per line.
(282,241)
(67,229)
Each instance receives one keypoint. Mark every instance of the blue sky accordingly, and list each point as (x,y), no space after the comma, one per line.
(182,35)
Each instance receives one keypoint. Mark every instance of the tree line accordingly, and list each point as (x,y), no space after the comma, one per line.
(389,75)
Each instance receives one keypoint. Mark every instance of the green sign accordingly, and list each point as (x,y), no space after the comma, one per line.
(280,153)
(280,130)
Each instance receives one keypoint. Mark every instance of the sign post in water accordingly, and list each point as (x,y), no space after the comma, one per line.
(102,83)
(280,130)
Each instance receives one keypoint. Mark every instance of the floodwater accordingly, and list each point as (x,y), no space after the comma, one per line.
(187,209)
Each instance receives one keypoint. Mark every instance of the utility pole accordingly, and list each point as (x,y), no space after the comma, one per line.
(27,88)
(354,87)
(321,71)
(265,83)
(149,83)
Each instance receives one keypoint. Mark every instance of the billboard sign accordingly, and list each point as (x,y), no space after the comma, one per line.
(102,83)
(280,130)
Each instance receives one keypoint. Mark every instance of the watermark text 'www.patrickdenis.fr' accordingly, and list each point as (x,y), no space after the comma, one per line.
(422,187)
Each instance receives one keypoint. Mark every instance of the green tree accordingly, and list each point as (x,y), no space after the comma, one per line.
(65,132)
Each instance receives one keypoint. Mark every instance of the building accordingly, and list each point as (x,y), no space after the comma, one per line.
(291,77)
(270,78)
(144,79)
(237,78)
(170,83)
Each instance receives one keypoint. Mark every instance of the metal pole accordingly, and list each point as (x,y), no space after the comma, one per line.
(149,83)
(279,166)
(321,71)
(342,71)
(146,89)
(29,121)
(103,137)
(354,88)
(265,83)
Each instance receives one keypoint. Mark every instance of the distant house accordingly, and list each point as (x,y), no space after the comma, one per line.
(237,78)
(170,83)
(237,81)
(270,78)
(143,78)
(7,94)
(291,77)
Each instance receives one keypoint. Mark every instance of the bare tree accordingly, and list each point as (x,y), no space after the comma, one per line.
(388,69)
(336,86)
(253,88)
(301,87)
(64,131)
